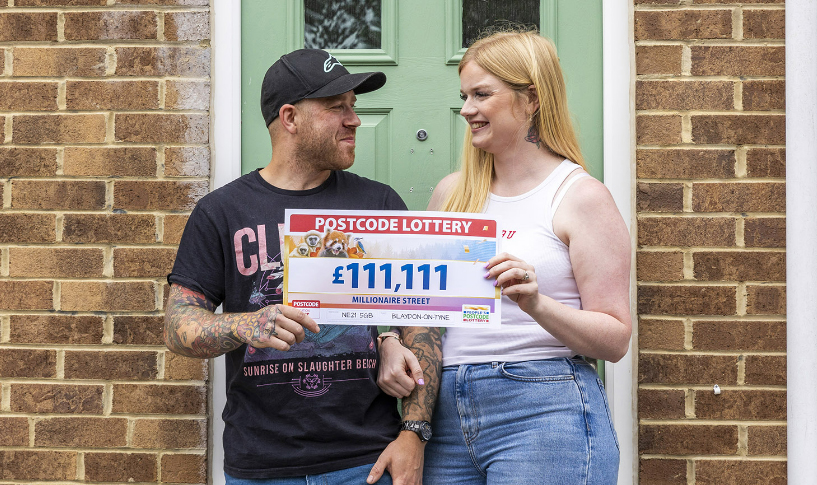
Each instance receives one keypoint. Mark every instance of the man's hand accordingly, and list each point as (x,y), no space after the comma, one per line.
(399,369)
(277,326)
(403,458)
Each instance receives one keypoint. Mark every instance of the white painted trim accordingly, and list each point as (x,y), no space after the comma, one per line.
(225,141)
(619,145)
(618,72)
(801,233)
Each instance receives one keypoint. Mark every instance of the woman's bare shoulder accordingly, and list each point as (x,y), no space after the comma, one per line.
(442,190)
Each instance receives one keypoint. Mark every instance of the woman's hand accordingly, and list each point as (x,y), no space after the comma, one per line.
(517,279)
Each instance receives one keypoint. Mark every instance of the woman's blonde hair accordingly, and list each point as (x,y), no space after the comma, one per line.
(520,59)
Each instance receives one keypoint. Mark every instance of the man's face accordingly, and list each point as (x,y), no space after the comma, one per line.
(326,137)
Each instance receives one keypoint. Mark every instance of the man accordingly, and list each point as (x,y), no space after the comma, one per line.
(300,407)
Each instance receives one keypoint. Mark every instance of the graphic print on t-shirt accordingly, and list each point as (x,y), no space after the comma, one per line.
(339,353)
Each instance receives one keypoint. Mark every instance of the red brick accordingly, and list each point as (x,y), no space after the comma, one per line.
(739,197)
(187,162)
(767,440)
(739,336)
(28,162)
(28,228)
(739,472)
(683,24)
(28,26)
(661,404)
(178,367)
(687,439)
(163,61)
(159,399)
(51,262)
(63,128)
(739,129)
(660,334)
(55,329)
(111,365)
(187,26)
(686,231)
(739,266)
(107,296)
(660,265)
(659,197)
(112,95)
(28,363)
(158,195)
(28,96)
(162,128)
(685,95)
(764,95)
(110,162)
(687,300)
(13,431)
(658,129)
(108,228)
(738,60)
(173,227)
(764,24)
(662,472)
(178,468)
(117,24)
(764,232)
(765,300)
(167,434)
(81,432)
(766,162)
(685,163)
(59,61)
(26,295)
(766,370)
(121,467)
(658,59)
(687,369)
(741,405)
(56,398)
(732,2)
(38,465)
(143,262)
(138,330)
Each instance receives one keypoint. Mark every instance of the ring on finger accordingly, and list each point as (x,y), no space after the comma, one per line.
(527,277)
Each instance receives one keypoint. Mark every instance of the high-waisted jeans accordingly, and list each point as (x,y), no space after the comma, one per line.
(522,423)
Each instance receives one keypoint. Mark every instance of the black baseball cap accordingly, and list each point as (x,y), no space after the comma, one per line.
(310,73)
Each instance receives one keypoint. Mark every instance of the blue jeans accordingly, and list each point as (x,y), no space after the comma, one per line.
(522,423)
(348,476)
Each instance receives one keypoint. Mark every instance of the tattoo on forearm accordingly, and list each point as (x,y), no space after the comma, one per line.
(533,137)
(427,346)
(193,330)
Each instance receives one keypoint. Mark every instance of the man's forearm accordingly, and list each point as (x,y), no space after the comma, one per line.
(426,344)
(193,330)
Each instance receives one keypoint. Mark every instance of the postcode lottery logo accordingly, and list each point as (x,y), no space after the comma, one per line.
(476,313)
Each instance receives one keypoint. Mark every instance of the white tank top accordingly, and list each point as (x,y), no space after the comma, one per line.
(526,223)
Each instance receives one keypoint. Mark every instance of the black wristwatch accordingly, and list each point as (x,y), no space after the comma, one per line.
(422,428)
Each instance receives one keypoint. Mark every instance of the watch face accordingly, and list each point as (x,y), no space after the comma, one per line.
(425,431)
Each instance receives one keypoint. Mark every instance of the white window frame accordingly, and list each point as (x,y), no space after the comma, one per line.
(619,150)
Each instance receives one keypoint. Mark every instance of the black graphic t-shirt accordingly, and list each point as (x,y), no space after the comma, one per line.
(317,407)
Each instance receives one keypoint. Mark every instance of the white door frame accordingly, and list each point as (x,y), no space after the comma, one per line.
(619,150)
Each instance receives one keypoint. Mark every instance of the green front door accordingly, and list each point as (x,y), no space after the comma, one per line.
(411,131)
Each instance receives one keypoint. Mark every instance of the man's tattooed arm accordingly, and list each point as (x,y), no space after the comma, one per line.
(193,329)
(426,344)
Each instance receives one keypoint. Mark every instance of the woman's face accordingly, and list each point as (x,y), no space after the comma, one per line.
(496,113)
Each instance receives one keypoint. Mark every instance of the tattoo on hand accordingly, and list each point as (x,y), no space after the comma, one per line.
(533,137)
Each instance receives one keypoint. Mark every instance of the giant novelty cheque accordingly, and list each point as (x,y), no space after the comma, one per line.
(394,268)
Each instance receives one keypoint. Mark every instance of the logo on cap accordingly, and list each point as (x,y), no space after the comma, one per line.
(330,63)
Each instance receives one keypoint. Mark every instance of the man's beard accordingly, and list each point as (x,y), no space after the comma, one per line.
(317,151)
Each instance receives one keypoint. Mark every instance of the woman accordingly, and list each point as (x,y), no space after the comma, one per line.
(519,404)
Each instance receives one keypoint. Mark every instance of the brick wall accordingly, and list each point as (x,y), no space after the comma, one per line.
(710,168)
(104,110)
